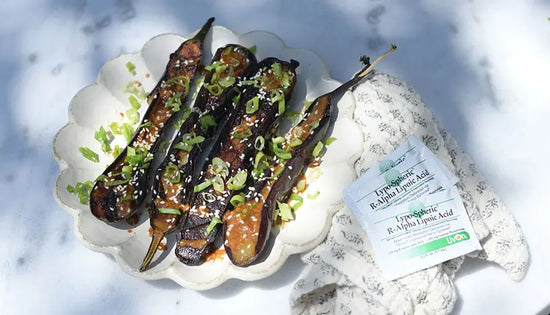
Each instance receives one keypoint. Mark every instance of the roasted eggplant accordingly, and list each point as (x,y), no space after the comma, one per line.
(247,227)
(122,187)
(173,181)
(262,101)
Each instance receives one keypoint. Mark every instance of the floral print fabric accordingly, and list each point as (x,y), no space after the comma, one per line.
(342,277)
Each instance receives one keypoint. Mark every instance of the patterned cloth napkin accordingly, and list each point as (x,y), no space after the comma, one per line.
(342,277)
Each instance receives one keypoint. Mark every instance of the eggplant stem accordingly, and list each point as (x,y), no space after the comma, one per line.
(366,70)
(155,241)
(204,29)
(371,67)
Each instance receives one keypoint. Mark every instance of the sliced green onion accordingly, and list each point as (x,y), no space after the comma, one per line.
(236,99)
(131,67)
(226,82)
(172,173)
(248,209)
(132,115)
(295,142)
(215,221)
(181,81)
(104,139)
(208,197)
(207,121)
(317,150)
(117,182)
(214,89)
(280,152)
(285,211)
(238,181)
(259,159)
(101,178)
(299,201)
(218,184)
(117,151)
(278,140)
(252,49)
(287,79)
(191,138)
(277,69)
(115,128)
(220,167)
(237,200)
(313,196)
(315,173)
(259,143)
(202,186)
(134,102)
(135,158)
(174,102)
(82,190)
(134,87)
(281,106)
(242,131)
(277,172)
(71,189)
(145,124)
(183,146)
(252,105)
(127,169)
(301,185)
(214,65)
(127,131)
(330,140)
(169,211)
(250,82)
(89,154)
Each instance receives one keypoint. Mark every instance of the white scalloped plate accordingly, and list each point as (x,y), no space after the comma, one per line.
(100,103)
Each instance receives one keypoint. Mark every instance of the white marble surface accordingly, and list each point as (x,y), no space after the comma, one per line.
(482,66)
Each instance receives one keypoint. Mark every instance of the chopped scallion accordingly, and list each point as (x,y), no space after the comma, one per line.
(317,149)
(252,105)
(259,143)
(172,173)
(215,221)
(134,102)
(131,67)
(207,121)
(238,181)
(202,186)
(285,212)
(169,211)
(313,196)
(237,199)
(89,154)
(330,140)
(242,131)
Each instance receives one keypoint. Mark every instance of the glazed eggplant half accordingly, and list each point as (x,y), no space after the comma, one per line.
(173,181)
(121,188)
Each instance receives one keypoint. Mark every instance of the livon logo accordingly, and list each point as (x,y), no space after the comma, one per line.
(457,237)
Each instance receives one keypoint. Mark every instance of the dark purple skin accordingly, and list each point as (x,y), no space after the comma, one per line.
(218,107)
(194,243)
(282,185)
(112,203)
